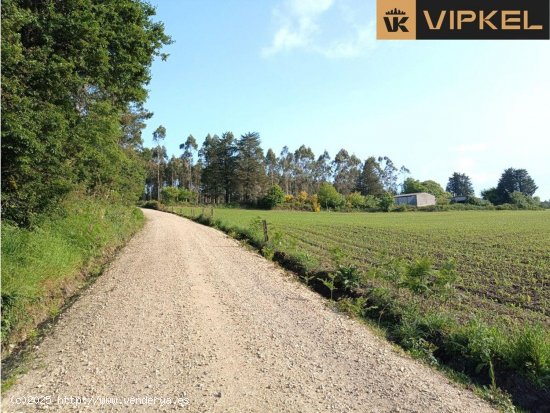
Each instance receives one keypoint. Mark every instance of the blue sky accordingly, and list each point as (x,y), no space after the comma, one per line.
(311,72)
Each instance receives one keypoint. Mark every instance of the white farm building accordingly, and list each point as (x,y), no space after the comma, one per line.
(419,199)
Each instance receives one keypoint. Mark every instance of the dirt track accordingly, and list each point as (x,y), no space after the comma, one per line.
(186,313)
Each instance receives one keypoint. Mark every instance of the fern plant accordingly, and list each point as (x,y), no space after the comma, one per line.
(330,284)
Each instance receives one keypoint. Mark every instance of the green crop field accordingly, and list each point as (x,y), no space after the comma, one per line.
(502,257)
(470,289)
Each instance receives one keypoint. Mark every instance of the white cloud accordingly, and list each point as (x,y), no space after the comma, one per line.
(295,32)
(363,39)
(300,26)
(286,38)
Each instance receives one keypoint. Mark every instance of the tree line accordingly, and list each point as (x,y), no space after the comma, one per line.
(73,87)
(227,169)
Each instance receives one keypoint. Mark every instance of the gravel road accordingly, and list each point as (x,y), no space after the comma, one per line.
(187,319)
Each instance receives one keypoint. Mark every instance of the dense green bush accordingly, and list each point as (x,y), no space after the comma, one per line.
(372,202)
(185,195)
(169,195)
(472,200)
(329,197)
(153,204)
(386,201)
(356,200)
(40,265)
(523,201)
(275,196)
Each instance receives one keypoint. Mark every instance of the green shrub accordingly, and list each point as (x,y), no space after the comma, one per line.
(275,196)
(506,207)
(356,200)
(386,201)
(421,277)
(417,333)
(523,201)
(418,276)
(472,200)
(256,231)
(372,202)
(273,245)
(479,346)
(306,261)
(444,199)
(185,195)
(347,275)
(169,195)
(153,204)
(529,352)
(329,197)
(353,306)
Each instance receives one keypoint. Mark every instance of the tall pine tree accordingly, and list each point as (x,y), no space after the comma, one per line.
(369,182)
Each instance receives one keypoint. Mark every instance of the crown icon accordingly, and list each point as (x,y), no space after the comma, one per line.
(395,12)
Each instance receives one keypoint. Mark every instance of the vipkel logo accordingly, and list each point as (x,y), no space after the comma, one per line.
(463,19)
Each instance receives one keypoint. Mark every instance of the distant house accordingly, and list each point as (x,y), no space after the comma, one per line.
(459,199)
(419,199)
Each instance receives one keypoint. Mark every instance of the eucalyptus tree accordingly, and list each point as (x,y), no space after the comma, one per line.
(132,122)
(271,164)
(346,171)
(285,165)
(158,137)
(389,174)
(322,171)
(304,161)
(189,147)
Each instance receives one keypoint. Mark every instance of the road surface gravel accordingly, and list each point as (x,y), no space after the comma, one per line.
(187,319)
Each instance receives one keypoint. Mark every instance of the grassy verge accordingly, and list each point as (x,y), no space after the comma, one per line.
(442,312)
(43,267)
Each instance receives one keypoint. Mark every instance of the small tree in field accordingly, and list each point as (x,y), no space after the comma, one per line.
(329,197)
(356,200)
(386,201)
(275,196)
